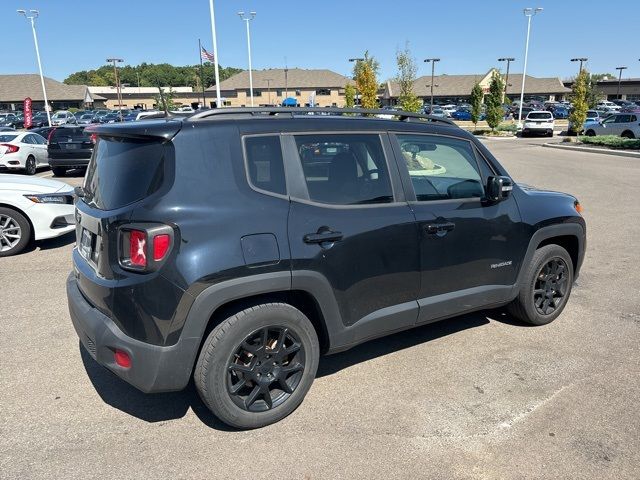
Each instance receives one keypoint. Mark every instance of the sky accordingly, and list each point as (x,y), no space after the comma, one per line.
(467,35)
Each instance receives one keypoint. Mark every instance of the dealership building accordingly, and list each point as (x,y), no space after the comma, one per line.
(629,88)
(15,88)
(457,88)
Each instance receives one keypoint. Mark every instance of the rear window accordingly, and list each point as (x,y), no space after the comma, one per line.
(122,172)
(539,116)
(70,135)
(7,138)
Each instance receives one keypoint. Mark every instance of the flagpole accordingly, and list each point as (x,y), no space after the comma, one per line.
(204,98)
(215,53)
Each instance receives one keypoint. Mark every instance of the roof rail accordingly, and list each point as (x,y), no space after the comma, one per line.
(298,111)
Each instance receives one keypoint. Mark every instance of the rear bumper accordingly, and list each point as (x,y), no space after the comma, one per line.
(153,368)
(68,162)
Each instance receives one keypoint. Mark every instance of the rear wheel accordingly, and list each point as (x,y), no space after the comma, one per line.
(15,232)
(256,367)
(548,281)
(30,165)
(628,134)
(59,171)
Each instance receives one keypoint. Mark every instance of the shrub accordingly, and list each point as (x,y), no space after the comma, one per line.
(612,141)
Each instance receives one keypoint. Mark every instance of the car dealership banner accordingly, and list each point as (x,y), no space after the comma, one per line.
(27,113)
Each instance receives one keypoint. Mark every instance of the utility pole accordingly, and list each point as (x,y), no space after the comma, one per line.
(356,60)
(215,52)
(269,80)
(32,18)
(115,61)
(528,12)
(506,81)
(433,68)
(251,16)
(619,80)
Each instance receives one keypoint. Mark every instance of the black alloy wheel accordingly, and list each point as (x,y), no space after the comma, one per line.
(30,166)
(551,286)
(265,369)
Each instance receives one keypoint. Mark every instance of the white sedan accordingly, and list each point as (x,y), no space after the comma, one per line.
(33,209)
(22,151)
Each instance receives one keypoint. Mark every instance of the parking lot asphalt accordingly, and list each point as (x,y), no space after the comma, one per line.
(476,397)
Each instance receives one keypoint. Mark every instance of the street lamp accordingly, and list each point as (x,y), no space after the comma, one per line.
(528,12)
(433,67)
(215,52)
(506,81)
(115,61)
(581,60)
(247,19)
(32,18)
(619,80)
(356,60)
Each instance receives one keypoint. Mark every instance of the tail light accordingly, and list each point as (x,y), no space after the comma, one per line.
(144,247)
(10,148)
(51,134)
(93,138)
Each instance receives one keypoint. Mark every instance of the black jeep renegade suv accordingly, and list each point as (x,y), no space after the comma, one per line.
(237,245)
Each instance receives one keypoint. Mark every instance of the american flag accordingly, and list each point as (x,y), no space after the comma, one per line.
(206,56)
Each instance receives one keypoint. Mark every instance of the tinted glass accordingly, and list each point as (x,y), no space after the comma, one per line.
(40,140)
(345,169)
(592,114)
(123,172)
(265,165)
(539,116)
(441,168)
(7,138)
(70,135)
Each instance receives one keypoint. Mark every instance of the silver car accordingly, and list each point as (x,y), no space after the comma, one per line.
(62,118)
(620,124)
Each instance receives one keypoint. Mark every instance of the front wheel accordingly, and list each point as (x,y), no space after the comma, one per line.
(256,367)
(547,285)
(590,133)
(15,232)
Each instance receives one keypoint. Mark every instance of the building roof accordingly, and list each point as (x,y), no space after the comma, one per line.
(461,85)
(296,78)
(14,88)
(140,90)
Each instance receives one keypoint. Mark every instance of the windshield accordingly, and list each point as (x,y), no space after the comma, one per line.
(86,117)
(539,116)
(592,114)
(123,172)
(7,138)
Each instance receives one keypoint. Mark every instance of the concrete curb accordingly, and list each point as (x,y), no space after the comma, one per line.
(603,151)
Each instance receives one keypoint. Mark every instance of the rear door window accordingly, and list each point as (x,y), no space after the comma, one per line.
(123,172)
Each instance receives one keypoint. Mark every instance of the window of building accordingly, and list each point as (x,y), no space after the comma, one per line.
(264,163)
(441,168)
(257,93)
(298,93)
(348,169)
(323,91)
(278,93)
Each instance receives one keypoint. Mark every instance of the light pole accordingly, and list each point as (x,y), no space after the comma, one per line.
(356,60)
(581,60)
(251,16)
(32,18)
(269,80)
(528,12)
(619,80)
(433,68)
(115,61)
(215,52)
(506,81)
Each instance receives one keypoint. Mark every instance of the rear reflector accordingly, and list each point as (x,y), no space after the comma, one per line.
(138,248)
(161,244)
(122,358)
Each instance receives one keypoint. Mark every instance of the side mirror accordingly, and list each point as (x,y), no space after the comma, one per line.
(498,188)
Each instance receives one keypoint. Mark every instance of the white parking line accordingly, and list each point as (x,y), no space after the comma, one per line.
(46,174)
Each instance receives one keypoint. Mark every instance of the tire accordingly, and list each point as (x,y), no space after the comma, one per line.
(550,134)
(628,134)
(234,357)
(59,171)
(30,166)
(525,307)
(590,133)
(13,223)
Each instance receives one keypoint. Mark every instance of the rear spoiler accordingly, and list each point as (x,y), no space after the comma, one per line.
(139,130)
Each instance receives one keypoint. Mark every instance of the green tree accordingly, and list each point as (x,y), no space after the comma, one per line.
(594,95)
(476,103)
(406,77)
(365,73)
(168,98)
(495,112)
(580,101)
(349,95)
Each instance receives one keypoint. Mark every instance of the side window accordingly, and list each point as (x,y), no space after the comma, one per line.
(611,119)
(264,163)
(345,169)
(624,118)
(28,139)
(441,168)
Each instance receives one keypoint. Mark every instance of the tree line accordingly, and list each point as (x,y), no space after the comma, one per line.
(152,75)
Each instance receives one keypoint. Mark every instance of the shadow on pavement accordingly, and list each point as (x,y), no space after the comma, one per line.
(49,244)
(168,406)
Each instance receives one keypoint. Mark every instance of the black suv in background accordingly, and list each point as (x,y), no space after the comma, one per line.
(237,245)
(69,147)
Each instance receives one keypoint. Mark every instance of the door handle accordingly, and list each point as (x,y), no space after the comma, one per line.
(439,229)
(322,236)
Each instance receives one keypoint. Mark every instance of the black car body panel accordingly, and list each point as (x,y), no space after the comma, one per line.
(233,242)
